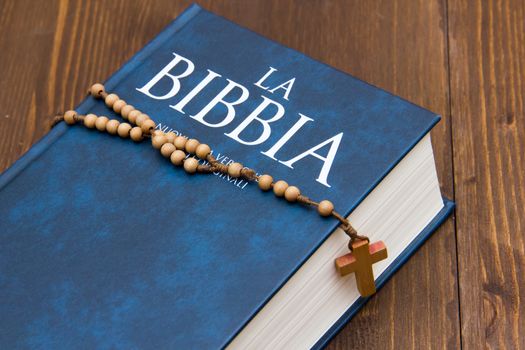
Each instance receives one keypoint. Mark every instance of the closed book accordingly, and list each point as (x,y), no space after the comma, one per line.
(105,244)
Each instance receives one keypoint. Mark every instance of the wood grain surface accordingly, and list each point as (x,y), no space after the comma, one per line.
(460,58)
(487,83)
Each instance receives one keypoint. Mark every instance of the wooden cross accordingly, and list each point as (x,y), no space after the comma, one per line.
(360,261)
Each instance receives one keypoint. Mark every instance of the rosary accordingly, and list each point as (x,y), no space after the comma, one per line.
(180,150)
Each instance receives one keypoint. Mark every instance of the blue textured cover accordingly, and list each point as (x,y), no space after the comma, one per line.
(103,243)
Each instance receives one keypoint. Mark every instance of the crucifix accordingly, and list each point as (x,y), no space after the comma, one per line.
(360,261)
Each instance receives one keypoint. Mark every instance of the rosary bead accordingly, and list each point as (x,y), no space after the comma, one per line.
(167,149)
(117,106)
(202,151)
(112,126)
(101,122)
(111,99)
(280,187)
(171,136)
(97,90)
(136,134)
(69,117)
(141,119)
(158,133)
(177,157)
(123,130)
(148,125)
(180,142)
(158,141)
(190,165)
(234,169)
(292,193)
(126,110)
(132,116)
(325,208)
(90,120)
(191,145)
(265,182)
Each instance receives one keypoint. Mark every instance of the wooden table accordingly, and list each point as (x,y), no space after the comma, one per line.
(462,59)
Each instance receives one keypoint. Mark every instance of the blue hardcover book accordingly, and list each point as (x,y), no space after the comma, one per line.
(105,244)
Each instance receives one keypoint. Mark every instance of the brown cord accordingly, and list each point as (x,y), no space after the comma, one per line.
(56,119)
(205,169)
(219,167)
(249,174)
(345,224)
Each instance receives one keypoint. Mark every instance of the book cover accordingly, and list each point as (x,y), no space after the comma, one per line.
(104,244)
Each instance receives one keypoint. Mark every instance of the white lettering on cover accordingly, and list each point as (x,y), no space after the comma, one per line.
(165,72)
(254,117)
(234,94)
(287,136)
(286,86)
(229,105)
(327,161)
(261,81)
(204,82)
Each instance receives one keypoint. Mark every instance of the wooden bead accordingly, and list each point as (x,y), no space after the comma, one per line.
(190,165)
(141,118)
(101,122)
(234,169)
(90,120)
(325,208)
(177,157)
(202,151)
(265,182)
(136,134)
(158,133)
(180,142)
(118,105)
(123,130)
(111,99)
(171,136)
(97,90)
(69,117)
(191,145)
(124,112)
(112,126)
(158,141)
(132,116)
(292,193)
(167,149)
(149,125)
(280,187)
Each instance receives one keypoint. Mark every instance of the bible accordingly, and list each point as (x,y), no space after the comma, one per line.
(104,243)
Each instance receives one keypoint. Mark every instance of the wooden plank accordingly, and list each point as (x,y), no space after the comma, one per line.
(52,51)
(400,46)
(487,69)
